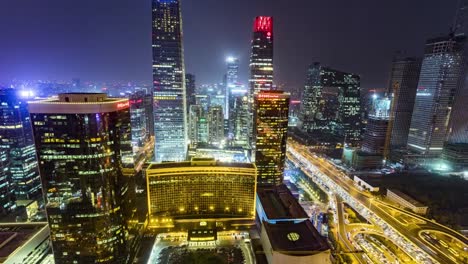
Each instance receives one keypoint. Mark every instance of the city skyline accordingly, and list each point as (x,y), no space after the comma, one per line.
(339,46)
(271,164)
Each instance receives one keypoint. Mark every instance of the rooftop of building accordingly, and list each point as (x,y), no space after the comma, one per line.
(279,203)
(201,162)
(295,239)
(444,38)
(79,103)
(374,180)
(14,236)
(406,197)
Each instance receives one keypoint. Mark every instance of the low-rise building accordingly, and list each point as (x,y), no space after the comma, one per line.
(297,243)
(24,243)
(366,185)
(202,188)
(277,204)
(406,201)
(286,233)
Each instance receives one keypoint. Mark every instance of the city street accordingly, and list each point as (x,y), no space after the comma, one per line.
(378,214)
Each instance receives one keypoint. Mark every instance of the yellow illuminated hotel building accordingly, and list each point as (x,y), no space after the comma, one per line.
(202,188)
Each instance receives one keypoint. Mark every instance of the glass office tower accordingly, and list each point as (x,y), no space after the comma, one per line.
(261,57)
(404,79)
(441,70)
(190,90)
(169,82)
(331,104)
(16,139)
(232,76)
(81,141)
(270,133)
(6,192)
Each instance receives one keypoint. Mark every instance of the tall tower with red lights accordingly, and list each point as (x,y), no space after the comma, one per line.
(261,66)
(261,57)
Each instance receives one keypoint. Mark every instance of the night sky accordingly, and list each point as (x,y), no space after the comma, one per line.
(111,39)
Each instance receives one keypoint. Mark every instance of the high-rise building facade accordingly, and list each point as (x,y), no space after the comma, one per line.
(441,72)
(232,78)
(331,104)
(195,114)
(141,113)
(6,191)
(200,189)
(169,82)
(81,142)
(404,79)
(377,125)
(215,125)
(270,133)
(16,139)
(239,117)
(190,90)
(261,57)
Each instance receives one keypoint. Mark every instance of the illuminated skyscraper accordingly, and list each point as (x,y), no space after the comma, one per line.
(6,191)
(190,89)
(16,139)
(195,114)
(81,142)
(441,72)
(240,117)
(169,82)
(261,57)
(404,79)
(141,111)
(376,129)
(270,133)
(215,125)
(331,104)
(232,76)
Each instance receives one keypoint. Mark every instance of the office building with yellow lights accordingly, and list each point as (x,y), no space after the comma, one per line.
(82,141)
(271,132)
(202,188)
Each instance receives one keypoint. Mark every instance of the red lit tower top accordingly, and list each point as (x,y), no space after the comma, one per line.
(263,24)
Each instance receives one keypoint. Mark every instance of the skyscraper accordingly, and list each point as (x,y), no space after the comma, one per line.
(232,76)
(16,139)
(81,142)
(169,82)
(215,125)
(190,90)
(331,105)
(140,112)
(6,191)
(195,114)
(376,129)
(441,70)
(270,133)
(261,57)
(404,79)
(243,121)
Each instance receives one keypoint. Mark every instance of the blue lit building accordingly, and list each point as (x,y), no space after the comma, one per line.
(441,72)
(17,140)
(169,82)
(6,192)
(232,76)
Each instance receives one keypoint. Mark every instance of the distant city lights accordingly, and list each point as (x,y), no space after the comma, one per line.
(26,93)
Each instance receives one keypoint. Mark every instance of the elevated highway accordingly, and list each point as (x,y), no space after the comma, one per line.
(376,211)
